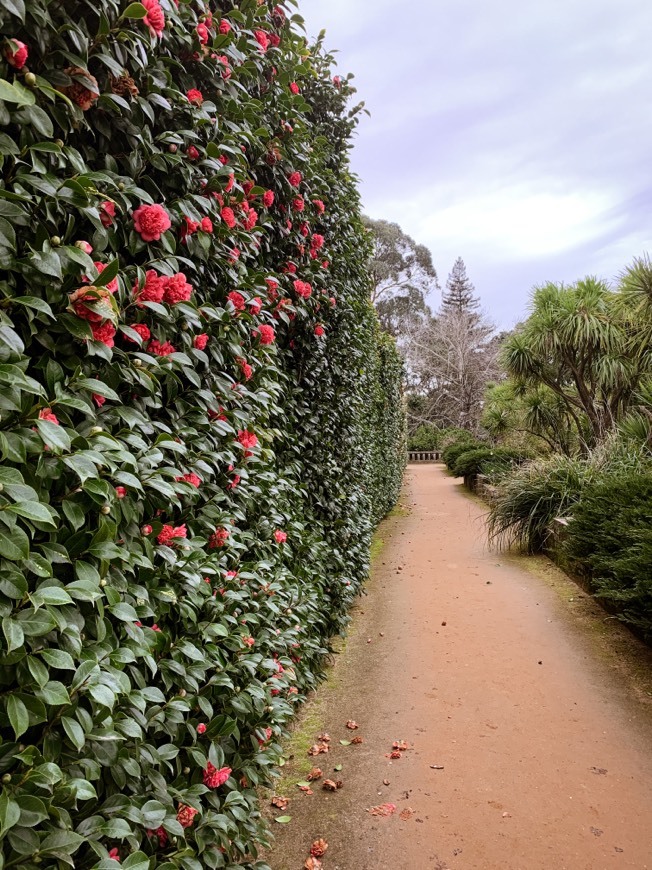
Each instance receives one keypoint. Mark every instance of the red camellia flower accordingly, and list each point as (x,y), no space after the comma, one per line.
(112,286)
(237,300)
(319,205)
(189,227)
(168,533)
(200,341)
(151,221)
(159,349)
(49,415)
(268,198)
(303,289)
(120,492)
(155,19)
(294,87)
(267,334)
(146,530)
(202,33)
(246,369)
(85,246)
(224,27)
(319,330)
(186,815)
(255,306)
(143,331)
(213,777)
(153,289)
(295,179)
(234,482)
(234,255)
(99,400)
(298,203)
(195,97)
(107,214)
(114,854)
(248,641)
(77,91)
(206,225)
(252,219)
(201,728)
(280,537)
(104,333)
(337,81)
(274,39)
(190,478)
(226,72)
(228,217)
(16,53)
(192,152)
(317,241)
(219,538)
(247,439)
(177,289)
(262,39)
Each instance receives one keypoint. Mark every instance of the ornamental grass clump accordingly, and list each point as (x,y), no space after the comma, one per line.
(189,477)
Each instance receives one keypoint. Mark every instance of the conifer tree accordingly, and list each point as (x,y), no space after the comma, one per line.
(460,292)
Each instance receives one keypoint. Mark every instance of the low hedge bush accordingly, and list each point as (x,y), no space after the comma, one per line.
(485,460)
(198,426)
(458,447)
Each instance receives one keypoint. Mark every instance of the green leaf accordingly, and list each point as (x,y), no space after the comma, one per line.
(53,435)
(58,658)
(14,544)
(18,716)
(33,302)
(53,595)
(124,612)
(62,844)
(13,633)
(74,731)
(9,813)
(99,387)
(32,810)
(32,510)
(36,623)
(134,10)
(82,466)
(16,93)
(54,692)
(108,274)
(283,820)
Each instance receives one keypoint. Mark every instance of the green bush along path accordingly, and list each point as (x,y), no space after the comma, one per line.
(527,715)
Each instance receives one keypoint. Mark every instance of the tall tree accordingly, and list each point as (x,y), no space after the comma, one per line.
(398,264)
(460,292)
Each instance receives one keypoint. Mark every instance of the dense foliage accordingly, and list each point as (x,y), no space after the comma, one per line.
(198,424)
(486,460)
(462,444)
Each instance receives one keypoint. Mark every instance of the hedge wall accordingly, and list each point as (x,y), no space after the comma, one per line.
(199,425)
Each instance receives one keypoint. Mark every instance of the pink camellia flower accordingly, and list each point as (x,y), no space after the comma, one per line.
(262,39)
(85,246)
(255,306)
(213,777)
(143,331)
(337,81)
(206,225)
(268,198)
(226,72)
(200,341)
(228,217)
(247,439)
(195,97)
(155,19)
(280,537)
(248,641)
(99,400)
(317,241)
(234,482)
(120,492)
(202,33)
(319,330)
(107,213)
(234,255)
(192,152)
(272,285)
(201,728)
(252,219)
(155,627)
(319,205)
(186,815)
(48,414)
(237,300)
(219,538)
(153,289)
(295,179)
(112,286)
(189,227)
(267,334)
(168,533)
(114,854)
(151,221)
(268,737)
(224,27)
(294,87)
(246,369)
(159,349)
(177,289)
(275,40)
(191,478)
(333,301)
(303,289)
(16,53)
(104,333)
(146,530)
(298,203)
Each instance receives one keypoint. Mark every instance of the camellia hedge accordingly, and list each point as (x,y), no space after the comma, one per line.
(199,423)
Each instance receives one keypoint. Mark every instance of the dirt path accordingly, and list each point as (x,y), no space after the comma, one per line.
(483,669)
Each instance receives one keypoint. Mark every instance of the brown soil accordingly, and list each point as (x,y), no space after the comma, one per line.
(504,677)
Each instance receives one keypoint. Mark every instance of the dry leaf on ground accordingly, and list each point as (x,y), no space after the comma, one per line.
(279,802)
(332,785)
(315,773)
(382,810)
(313,864)
(406,814)
(352,725)
(357,740)
(318,749)
(324,738)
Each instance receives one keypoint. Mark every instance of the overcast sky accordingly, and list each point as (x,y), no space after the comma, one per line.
(516,135)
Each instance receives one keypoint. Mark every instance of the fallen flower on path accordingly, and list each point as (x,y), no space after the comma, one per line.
(318,749)
(332,785)
(305,789)
(401,745)
(406,814)
(315,773)
(318,848)
(281,803)
(313,864)
(358,740)
(324,738)
(352,725)
(393,754)
(382,810)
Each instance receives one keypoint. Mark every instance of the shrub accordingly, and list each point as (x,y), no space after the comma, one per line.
(425,437)
(461,445)
(610,539)
(483,460)
(190,476)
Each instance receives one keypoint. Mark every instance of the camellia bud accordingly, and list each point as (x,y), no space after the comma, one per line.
(30,79)
(172,148)
(105,509)
(103,582)
(138,363)
(6,778)
(182,693)
(59,143)
(121,185)
(146,530)
(95,430)
(55,241)
(186,770)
